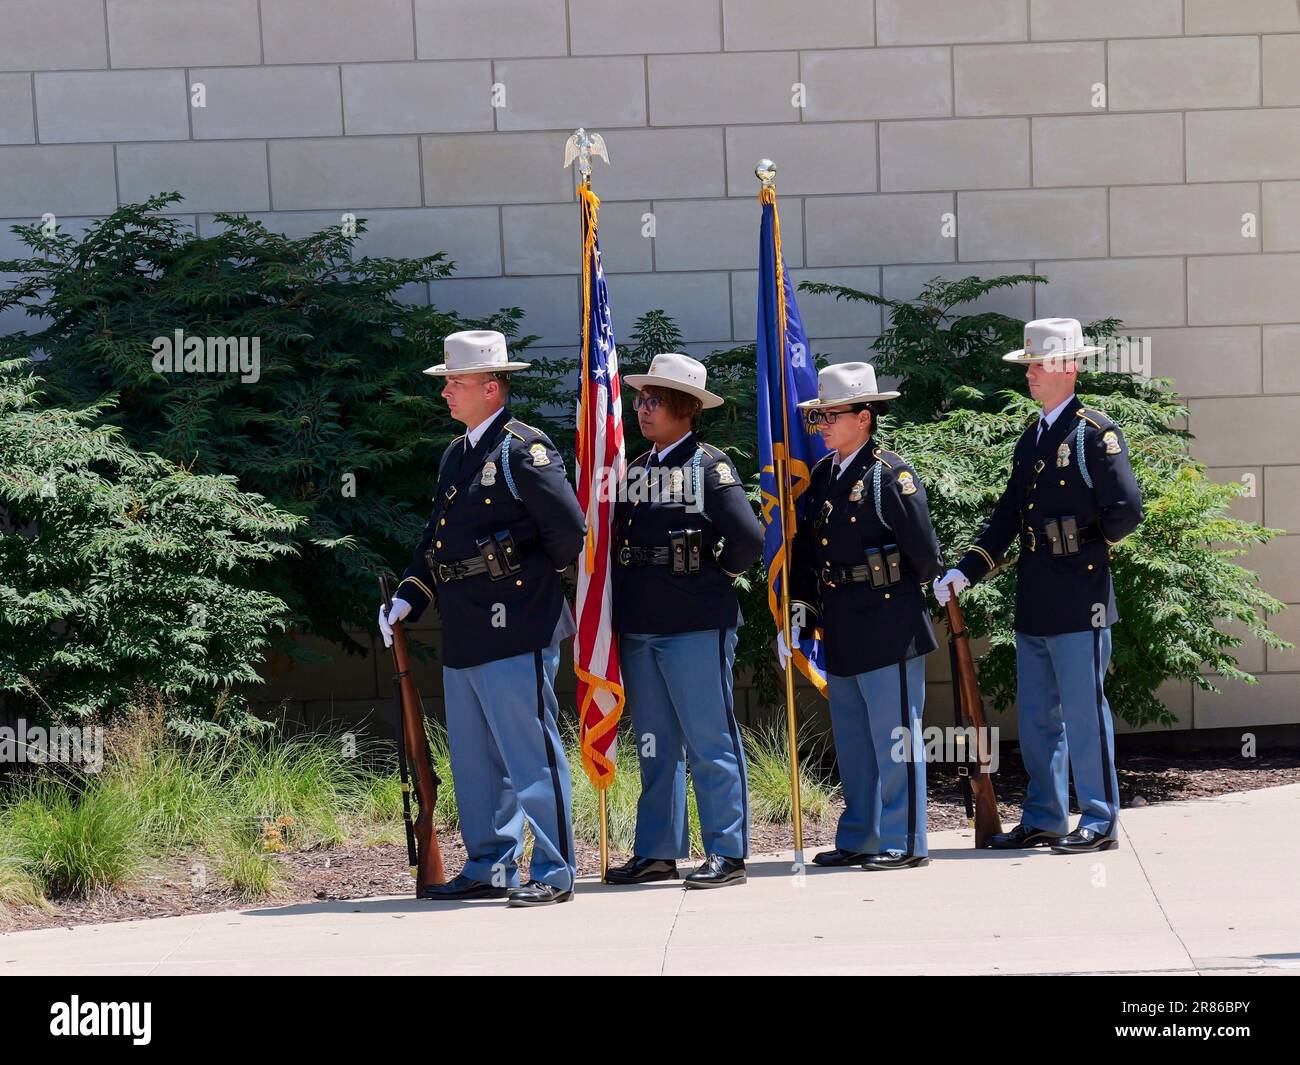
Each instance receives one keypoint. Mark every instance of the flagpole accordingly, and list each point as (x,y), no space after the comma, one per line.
(601,792)
(766,174)
(581,148)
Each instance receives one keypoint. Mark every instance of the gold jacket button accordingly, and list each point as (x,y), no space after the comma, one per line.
(825,541)
(519,584)
(437,543)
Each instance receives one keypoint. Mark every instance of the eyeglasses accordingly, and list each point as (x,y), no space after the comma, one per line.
(643,402)
(825,417)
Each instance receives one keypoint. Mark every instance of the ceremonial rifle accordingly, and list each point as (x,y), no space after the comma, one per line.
(413,756)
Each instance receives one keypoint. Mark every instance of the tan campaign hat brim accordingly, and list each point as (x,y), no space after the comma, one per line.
(641,380)
(865,397)
(1019,355)
(498,367)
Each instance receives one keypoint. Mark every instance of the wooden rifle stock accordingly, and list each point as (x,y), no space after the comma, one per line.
(966,688)
(413,750)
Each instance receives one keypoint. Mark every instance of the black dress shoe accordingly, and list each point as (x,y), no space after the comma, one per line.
(841,857)
(535,893)
(462,888)
(895,861)
(643,871)
(1083,840)
(1022,836)
(717,870)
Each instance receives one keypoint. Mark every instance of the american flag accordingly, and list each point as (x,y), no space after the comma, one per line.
(599,469)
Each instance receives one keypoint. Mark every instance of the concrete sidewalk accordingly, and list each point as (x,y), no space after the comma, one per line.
(1195,887)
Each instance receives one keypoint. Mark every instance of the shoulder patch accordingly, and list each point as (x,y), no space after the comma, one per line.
(906,483)
(725,476)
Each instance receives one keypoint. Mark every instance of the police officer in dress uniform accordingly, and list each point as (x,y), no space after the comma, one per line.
(1071,497)
(505,526)
(684,530)
(859,563)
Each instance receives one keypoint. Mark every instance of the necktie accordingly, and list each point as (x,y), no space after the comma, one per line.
(1042,427)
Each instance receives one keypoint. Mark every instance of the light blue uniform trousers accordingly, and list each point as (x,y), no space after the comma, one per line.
(1065,723)
(508,766)
(882,767)
(679,695)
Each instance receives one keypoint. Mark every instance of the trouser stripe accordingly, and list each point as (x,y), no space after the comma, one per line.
(906,718)
(1106,770)
(561,822)
(734,729)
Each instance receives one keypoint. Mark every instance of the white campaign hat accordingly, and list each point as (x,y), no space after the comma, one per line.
(475,351)
(671,370)
(846,382)
(1051,338)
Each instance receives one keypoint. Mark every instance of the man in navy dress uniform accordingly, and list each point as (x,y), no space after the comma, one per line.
(505,526)
(1071,497)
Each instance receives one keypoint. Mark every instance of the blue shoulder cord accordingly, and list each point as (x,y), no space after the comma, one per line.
(505,467)
(1078,451)
(697,478)
(875,489)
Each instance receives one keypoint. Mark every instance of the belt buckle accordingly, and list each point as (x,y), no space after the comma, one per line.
(826,575)
(625,556)
(441,571)
(1033,539)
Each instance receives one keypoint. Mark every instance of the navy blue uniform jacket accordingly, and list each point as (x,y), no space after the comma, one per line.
(485,620)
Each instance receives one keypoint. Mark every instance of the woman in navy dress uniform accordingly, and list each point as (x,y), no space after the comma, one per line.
(860,560)
(684,530)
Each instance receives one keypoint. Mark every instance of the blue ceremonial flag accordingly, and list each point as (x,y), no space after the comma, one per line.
(786,377)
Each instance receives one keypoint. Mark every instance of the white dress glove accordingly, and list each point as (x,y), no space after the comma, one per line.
(782,651)
(952,581)
(400,609)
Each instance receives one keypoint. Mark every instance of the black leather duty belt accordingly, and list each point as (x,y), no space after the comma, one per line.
(883,569)
(1061,537)
(643,556)
(499,557)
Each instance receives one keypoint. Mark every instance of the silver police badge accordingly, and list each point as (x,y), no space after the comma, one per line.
(855,493)
(676,481)
(540,457)
(489,477)
(1063,455)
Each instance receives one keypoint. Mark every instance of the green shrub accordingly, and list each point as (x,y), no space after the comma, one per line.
(119,570)
(340,427)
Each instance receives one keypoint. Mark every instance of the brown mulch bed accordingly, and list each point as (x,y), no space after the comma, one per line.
(354,870)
